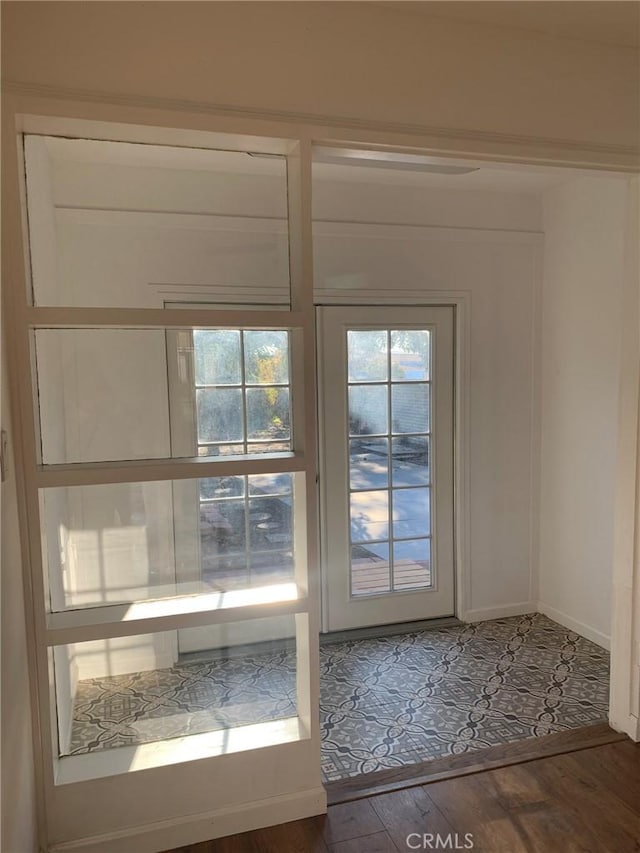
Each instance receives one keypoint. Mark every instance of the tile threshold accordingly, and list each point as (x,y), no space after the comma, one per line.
(468,763)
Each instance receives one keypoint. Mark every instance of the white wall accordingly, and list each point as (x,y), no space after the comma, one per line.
(356,61)
(584,225)
(497,269)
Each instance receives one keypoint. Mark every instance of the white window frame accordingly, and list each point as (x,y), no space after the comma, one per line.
(204,766)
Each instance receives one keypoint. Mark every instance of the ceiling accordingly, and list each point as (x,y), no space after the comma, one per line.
(614,22)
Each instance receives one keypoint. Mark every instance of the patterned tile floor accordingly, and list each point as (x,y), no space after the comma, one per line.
(186,699)
(399,700)
(385,702)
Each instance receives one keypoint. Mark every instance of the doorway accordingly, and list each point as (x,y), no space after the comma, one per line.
(387,464)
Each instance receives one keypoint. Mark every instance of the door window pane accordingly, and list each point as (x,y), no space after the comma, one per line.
(369,463)
(411,513)
(266,357)
(268,414)
(410,461)
(410,355)
(219,414)
(222,487)
(259,417)
(368,409)
(217,356)
(409,408)
(367,356)
(412,564)
(396,363)
(369,516)
(370,568)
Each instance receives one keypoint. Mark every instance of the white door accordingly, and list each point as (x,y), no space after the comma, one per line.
(387,483)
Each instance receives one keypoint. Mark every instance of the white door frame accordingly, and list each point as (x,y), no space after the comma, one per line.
(460,301)
(342,608)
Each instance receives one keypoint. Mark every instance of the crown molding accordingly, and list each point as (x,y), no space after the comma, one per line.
(463,141)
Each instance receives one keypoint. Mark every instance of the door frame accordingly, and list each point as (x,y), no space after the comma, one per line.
(460,302)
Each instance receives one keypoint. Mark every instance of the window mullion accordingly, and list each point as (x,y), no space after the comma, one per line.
(160,318)
(168,614)
(147,470)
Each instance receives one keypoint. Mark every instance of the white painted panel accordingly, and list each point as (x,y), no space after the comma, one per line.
(406,198)
(500,279)
(583,275)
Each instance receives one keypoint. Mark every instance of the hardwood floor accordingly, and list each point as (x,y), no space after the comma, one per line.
(583,802)
(467,763)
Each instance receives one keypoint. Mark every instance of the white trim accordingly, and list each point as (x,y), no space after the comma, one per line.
(624,695)
(439,233)
(193,829)
(303,384)
(173,219)
(146,470)
(208,296)
(369,296)
(132,759)
(16,269)
(276,225)
(192,611)
(572,624)
(161,318)
(461,301)
(68,812)
(483,614)
(344,611)
(535,424)
(525,607)
(47,109)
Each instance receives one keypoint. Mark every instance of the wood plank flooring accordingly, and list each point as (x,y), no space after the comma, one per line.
(583,802)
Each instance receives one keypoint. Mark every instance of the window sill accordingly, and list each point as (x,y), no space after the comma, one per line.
(129,759)
(189,611)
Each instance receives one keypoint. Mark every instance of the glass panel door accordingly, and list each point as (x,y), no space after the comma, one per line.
(387,423)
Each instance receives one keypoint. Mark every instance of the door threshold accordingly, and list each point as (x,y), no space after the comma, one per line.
(373,631)
(468,763)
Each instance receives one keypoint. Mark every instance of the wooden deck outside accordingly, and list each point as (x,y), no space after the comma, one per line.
(371,576)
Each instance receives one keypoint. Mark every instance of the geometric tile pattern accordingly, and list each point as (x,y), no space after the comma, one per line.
(385,702)
(398,700)
(185,699)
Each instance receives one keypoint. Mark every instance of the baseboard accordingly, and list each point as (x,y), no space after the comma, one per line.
(330,637)
(574,625)
(629,725)
(502,612)
(193,829)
